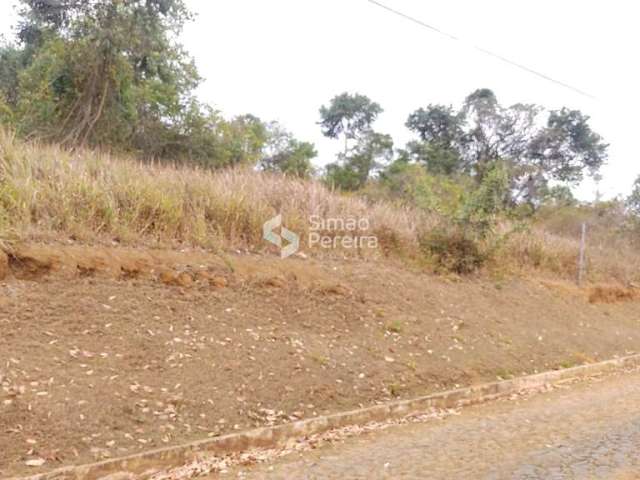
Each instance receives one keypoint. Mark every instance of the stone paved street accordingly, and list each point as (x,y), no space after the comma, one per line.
(589,430)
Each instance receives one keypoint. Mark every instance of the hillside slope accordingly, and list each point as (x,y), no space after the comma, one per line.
(51,194)
(109,351)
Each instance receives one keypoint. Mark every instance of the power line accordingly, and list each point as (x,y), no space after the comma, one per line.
(482,50)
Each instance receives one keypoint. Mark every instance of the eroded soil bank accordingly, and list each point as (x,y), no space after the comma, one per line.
(107,352)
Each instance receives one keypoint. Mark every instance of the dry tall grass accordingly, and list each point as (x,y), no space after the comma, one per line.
(87,194)
(48,192)
(611,255)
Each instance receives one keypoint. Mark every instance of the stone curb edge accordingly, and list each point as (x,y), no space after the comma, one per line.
(145,464)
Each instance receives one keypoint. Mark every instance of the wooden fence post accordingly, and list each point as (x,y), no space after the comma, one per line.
(581,268)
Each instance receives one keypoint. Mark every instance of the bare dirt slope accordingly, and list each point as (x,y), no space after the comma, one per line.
(106,352)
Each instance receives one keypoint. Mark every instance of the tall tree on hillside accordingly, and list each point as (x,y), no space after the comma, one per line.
(438,125)
(440,132)
(103,70)
(348,115)
(562,148)
(369,155)
(352,117)
(567,147)
(112,73)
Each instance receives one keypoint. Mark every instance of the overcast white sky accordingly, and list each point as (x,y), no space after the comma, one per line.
(282,59)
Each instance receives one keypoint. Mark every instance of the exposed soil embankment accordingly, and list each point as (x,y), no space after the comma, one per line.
(106,352)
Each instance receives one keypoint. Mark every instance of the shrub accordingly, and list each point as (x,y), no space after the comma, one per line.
(453,249)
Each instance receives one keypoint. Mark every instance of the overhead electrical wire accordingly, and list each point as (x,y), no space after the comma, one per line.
(482,50)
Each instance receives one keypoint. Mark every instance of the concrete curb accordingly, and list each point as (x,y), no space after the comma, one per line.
(145,464)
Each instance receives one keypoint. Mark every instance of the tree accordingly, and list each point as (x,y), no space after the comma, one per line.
(487,200)
(413,184)
(562,149)
(567,146)
(242,139)
(633,200)
(99,72)
(348,115)
(284,154)
(11,62)
(492,132)
(559,196)
(437,159)
(372,151)
(437,125)
(440,132)
(111,73)
(352,116)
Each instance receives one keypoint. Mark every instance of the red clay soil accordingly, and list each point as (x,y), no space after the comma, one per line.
(108,352)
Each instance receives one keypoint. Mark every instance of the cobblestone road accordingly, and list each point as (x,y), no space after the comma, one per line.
(589,430)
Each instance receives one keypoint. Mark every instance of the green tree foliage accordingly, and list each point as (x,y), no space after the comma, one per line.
(111,73)
(349,116)
(440,131)
(458,198)
(100,71)
(633,200)
(351,173)
(562,148)
(284,154)
(12,61)
(488,200)
(352,117)
(559,196)
(436,158)
(466,237)
(242,140)
(414,185)
(437,125)
(567,146)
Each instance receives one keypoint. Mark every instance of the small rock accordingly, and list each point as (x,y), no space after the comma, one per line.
(35,462)
(218,282)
